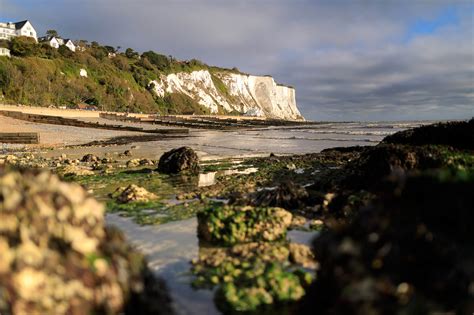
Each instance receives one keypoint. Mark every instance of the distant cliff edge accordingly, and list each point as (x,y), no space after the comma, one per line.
(245,94)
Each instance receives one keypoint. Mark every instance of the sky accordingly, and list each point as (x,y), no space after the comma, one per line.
(348,60)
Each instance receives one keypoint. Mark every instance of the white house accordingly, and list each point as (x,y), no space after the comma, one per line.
(69,44)
(55,42)
(5,52)
(23,28)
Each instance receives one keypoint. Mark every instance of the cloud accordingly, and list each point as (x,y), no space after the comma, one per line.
(348,60)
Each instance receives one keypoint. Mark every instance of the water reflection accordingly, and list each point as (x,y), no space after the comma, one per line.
(170,248)
(208,179)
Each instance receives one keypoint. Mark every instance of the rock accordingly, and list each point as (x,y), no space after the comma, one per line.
(302,255)
(409,250)
(57,256)
(298,221)
(75,171)
(147,162)
(241,271)
(179,160)
(287,195)
(11,159)
(133,163)
(132,193)
(458,134)
(68,162)
(63,156)
(375,164)
(233,224)
(127,153)
(316,224)
(106,160)
(90,158)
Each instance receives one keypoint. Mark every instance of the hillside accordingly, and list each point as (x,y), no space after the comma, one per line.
(99,76)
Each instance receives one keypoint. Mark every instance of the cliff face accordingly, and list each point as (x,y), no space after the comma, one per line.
(246,94)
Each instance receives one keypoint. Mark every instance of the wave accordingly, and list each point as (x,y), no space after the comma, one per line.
(349,132)
(321,139)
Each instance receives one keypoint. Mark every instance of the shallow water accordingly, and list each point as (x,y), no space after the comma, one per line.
(215,144)
(170,258)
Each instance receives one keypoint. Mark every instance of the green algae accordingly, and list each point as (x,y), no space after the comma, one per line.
(250,276)
(228,225)
(156,212)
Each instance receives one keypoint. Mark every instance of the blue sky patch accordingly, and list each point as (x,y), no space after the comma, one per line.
(447,17)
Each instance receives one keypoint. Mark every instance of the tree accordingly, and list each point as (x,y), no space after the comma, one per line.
(110,49)
(64,51)
(23,46)
(160,61)
(130,53)
(52,33)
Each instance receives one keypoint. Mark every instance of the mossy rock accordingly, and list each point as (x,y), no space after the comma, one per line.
(252,276)
(234,224)
(57,256)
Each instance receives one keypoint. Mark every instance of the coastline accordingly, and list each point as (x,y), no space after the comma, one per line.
(326,192)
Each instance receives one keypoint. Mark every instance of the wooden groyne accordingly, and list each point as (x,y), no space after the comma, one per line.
(57,120)
(203,122)
(20,137)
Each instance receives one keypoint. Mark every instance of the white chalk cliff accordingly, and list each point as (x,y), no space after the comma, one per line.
(246,94)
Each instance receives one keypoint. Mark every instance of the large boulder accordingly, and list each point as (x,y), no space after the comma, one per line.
(458,134)
(287,195)
(179,160)
(57,256)
(408,253)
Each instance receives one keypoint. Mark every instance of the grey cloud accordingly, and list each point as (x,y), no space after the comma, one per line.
(347,59)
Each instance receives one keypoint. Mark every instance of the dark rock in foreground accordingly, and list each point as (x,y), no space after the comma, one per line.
(179,160)
(287,195)
(459,135)
(57,256)
(409,253)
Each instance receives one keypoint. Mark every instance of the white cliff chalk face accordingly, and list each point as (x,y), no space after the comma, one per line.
(246,94)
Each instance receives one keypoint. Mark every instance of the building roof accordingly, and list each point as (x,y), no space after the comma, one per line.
(19,25)
(47,38)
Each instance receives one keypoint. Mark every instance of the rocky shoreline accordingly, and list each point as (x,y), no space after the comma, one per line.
(392,222)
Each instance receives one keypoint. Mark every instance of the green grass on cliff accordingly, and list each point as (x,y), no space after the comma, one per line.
(39,75)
